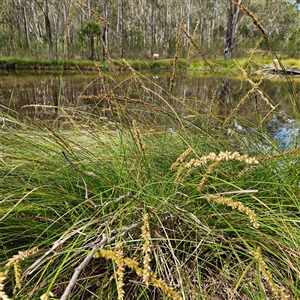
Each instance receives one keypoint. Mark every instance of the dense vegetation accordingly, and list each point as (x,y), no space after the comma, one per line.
(136,29)
(144,197)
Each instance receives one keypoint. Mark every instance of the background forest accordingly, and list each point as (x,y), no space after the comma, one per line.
(58,29)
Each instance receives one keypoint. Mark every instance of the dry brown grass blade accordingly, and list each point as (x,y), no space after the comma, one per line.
(176,56)
(268,275)
(195,45)
(102,19)
(254,20)
(91,254)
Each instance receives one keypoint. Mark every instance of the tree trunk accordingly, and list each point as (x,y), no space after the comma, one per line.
(48,27)
(89,11)
(120,27)
(26,23)
(105,33)
(230,36)
(231,29)
(153,42)
(92,45)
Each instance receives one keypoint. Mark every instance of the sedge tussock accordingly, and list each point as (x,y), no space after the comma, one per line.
(67,26)
(21,256)
(188,167)
(164,287)
(268,275)
(70,119)
(102,19)
(293,152)
(192,37)
(210,169)
(176,56)
(134,73)
(246,170)
(18,274)
(137,135)
(248,65)
(107,54)
(180,159)
(252,55)
(253,84)
(222,156)
(15,263)
(210,112)
(47,296)
(195,45)
(106,51)
(254,20)
(133,264)
(235,205)
(137,83)
(103,82)
(3,276)
(146,250)
(255,87)
(120,271)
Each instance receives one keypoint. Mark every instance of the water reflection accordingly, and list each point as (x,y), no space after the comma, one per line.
(76,96)
(38,94)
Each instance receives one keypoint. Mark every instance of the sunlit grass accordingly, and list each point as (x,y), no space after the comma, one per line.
(111,174)
(133,199)
(11,63)
(221,66)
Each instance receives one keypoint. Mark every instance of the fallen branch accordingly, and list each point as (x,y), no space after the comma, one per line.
(90,256)
(58,243)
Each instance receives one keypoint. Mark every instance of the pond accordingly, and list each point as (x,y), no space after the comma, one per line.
(20,89)
(36,95)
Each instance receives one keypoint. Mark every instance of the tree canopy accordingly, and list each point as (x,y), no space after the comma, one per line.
(139,28)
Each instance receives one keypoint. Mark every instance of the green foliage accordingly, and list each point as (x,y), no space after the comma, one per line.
(90,32)
(64,190)
(141,195)
(89,29)
(160,65)
(40,64)
(294,43)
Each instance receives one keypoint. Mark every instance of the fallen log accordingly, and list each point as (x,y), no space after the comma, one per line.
(277,69)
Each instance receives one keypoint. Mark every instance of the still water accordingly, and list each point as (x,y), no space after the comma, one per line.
(37,95)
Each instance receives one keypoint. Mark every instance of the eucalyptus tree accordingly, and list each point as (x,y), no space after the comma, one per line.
(210,15)
(119,28)
(26,22)
(90,31)
(43,33)
(47,25)
(139,28)
(9,36)
(105,31)
(280,19)
(231,28)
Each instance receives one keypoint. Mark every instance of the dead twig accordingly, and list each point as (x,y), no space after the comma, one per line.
(58,243)
(90,256)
